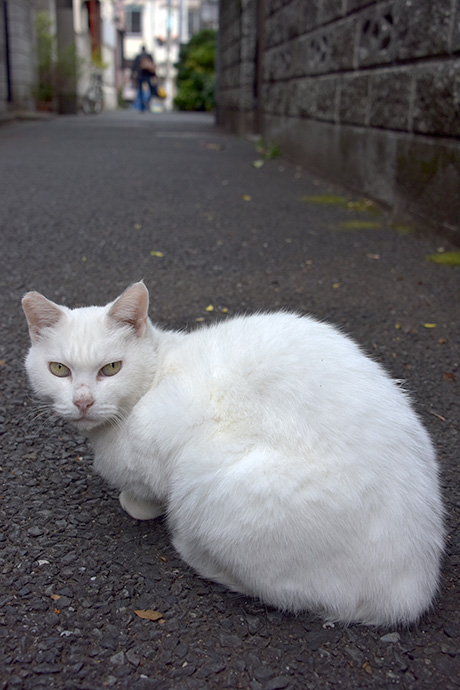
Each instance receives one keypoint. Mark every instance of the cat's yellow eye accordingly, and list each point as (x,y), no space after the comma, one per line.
(59,369)
(111,369)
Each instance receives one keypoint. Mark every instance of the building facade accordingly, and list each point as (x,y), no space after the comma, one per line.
(161,26)
(89,25)
(107,35)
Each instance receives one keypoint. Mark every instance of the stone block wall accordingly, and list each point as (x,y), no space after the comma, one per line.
(237,62)
(328,78)
(376,64)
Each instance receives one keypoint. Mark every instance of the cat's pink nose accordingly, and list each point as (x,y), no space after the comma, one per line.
(83,402)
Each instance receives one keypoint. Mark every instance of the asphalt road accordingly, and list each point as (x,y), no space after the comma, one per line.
(89,205)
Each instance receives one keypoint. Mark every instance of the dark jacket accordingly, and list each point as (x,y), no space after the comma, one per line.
(136,71)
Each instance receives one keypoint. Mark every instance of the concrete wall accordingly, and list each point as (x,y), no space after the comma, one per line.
(237,65)
(20,17)
(3,65)
(365,92)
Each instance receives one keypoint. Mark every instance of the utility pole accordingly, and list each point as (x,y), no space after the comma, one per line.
(168,84)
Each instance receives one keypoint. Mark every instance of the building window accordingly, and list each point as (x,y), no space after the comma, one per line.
(133,16)
(193,21)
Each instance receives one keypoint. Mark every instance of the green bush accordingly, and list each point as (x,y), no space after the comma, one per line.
(46,56)
(56,68)
(195,72)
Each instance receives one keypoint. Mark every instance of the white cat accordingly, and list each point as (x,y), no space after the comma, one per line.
(289,465)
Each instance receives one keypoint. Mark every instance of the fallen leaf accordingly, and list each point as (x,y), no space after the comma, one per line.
(360,225)
(258,163)
(442,341)
(137,226)
(403,229)
(362,205)
(55,597)
(2,362)
(224,310)
(199,319)
(435,414)
(209,308)
(446,258)
(335,285)
(449,376)
(149,614)
(159,254)
(373,256)
(367,667)
(246,197)
(429,325)
(327,199)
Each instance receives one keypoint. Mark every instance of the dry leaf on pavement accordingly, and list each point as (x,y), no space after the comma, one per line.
(149,614)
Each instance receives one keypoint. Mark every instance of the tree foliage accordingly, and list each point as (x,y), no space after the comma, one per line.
(195,72)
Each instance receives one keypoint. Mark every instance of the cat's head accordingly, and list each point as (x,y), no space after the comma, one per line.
(91,363)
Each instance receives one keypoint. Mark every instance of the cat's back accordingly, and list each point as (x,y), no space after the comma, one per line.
(279,373)
(299,444)
(262,342)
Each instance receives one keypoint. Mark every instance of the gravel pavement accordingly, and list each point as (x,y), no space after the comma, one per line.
(89,205)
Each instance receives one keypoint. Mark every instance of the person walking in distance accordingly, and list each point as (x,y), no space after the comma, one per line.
(143,70)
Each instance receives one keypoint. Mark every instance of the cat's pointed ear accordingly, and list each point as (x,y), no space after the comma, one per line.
(40,313)
(131,308)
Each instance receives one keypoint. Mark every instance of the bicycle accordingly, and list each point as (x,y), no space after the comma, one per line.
(93,100)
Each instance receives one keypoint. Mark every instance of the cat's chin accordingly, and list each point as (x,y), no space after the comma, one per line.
(86,424)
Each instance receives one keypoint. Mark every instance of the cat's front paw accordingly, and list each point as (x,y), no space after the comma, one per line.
(138,508)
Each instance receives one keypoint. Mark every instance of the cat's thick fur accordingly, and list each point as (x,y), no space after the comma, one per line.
(289,465)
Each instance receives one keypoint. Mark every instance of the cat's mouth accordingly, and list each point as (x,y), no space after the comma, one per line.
(84,422)
(87,422)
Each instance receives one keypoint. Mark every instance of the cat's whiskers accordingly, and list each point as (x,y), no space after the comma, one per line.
(41,412)
(37,408)
(117,421)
